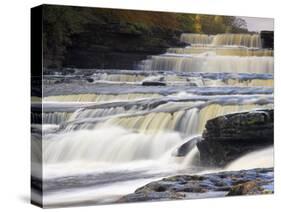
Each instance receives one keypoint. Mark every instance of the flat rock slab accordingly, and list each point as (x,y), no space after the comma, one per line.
(245,182)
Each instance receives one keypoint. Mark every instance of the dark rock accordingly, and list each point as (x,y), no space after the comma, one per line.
(267,38)
(90,79)
(66,71)
(187,44)
(186,147)
(118,47)
(182,44)
(228,137)
(58,81)
(153,83)
(192,84)
(254,181)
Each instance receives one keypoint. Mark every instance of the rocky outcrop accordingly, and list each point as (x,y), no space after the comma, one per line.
(245,182)
(113,45)
(228,137)
(267,38)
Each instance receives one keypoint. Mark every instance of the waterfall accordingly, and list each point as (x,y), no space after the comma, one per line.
(55,117)
(110,144)
(198,63)
(246,40)
(138,138)
(182,78)
(232,53)
(99,112)
(98,97)
(222,51)
(115,130)
(187,122)
(192,38)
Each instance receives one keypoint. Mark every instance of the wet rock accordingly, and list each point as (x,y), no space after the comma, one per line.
(58,81)
(186,147)
(228,137)
(66,71)
(90,79)
(245,182)
(153,83)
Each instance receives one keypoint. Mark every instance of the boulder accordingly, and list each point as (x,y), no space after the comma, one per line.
(228,137)
(185,148)
(90,79)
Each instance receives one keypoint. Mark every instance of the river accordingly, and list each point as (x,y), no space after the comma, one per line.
(106,132)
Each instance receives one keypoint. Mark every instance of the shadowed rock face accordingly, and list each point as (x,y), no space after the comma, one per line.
(267,38)
(104,46)
(228,137)
(245,182)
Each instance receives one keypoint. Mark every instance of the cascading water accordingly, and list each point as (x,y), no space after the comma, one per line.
(112,134)
(245,40)
(97,98)
(120,145)
(223,51)
(210,63)
(234,53)
(196,39)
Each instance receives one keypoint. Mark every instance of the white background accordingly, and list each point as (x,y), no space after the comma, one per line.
(15,90)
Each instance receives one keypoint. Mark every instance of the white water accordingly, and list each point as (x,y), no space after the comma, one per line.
(206,63)
(108,144)
(234,53)
(222,51)
(245,40)
(258,159)
(196,39)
